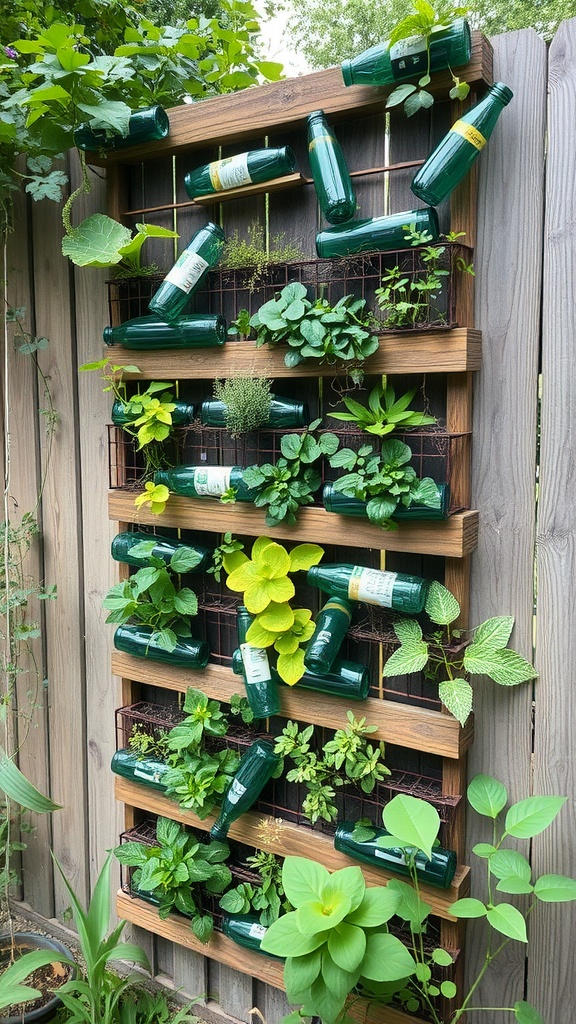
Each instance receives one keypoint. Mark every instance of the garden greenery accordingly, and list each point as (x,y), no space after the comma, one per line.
(384,413)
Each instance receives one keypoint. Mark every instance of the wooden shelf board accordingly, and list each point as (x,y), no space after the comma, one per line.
(452,538)
(177,929)
(286,839)
(436,351)
(276,106)
(276,185)
(399,724)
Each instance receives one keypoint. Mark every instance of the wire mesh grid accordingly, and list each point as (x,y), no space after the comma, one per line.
(153,720)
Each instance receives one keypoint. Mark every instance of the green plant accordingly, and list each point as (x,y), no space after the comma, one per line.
(144,744)
(204,718)
(486,653)
(413,826)
(154,495)
(384,480)
(267,899)
(240,707)
(267,591)
(315,330)
(420,22)
(383,418)
(150,597)
(293,480)
(257,252)
(12,991)
(335,938)
(247,401)
(225,550)
(100,241)
(139,1006)
(408,299)
(175,871)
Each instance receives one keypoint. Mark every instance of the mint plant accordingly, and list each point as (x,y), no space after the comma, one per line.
(486,653)
(266,899)
(383,417)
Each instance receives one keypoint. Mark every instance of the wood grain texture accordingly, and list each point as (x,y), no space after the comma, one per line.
(551,982)
(401,724)
(438,351)
(286,839)
(508,291)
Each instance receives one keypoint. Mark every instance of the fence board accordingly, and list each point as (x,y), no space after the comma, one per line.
(503,473)
(551,977)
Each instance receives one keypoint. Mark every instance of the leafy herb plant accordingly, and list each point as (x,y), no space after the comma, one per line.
(225,550)
(315,330)
(257,253)
(176,870)
(384,413)
(267,899)
(486,653)
(144,744)
(293,480)
(247,401)
(384,480)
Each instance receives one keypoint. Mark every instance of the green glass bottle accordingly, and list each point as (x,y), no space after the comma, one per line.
(243,169)
(346,679)
(284,412)
(164,548)
(450,47)
(261,690)
(377,234)
(332,624)
(453,157)
(146,770)
(439,870)
(336,501)
(330,174)
(205,481)
(197,330)
(255,769)
(146,125)
(182,415)
(202,252)
(138,641)
(246,930)
(399,591)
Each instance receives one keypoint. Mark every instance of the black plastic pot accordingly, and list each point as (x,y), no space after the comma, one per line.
(26,942)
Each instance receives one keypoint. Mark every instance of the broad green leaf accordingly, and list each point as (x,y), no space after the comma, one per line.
(514,886)
(284,939)
(386,958)
(96,242)
(555,888)
(526,1014)
(507,920)
(399,94)
(426,493)
(505,667)
(442,957)
(530,817)
(484,850)
(410,908)
(408,630)
(257,636)
(504,863)
(410,657)
(276,617)
(468,907)
(12,991)
(441,605)
(448,989)
(487,796)
(338,980)
(347,946)
(413,821)
(420,100)
(378,905)
(258,595)
(19,789)
(301,971)
(291,667)
(495,633)
(304,556)
(457,695)
(325,1003)
(319,915)
(303,880)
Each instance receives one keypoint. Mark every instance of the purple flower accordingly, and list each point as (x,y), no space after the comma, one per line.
(13,54)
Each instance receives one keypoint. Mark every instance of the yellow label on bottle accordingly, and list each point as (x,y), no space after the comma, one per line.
(320,138)
(470,133)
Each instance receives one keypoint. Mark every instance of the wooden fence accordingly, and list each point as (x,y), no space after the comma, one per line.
(524,258)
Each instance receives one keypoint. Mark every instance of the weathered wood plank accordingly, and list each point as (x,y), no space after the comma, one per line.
(508,290)
(551,985)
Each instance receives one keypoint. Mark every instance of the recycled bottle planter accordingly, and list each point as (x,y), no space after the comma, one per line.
(377,234)
(137,640)
(202,252)
(204,481)
(346,679)
(450,46)
(146,125)
(164,548)
(330,174)
(146,333)
(255,769)
(401,592)
(146,770)
(332,624)
(438,871)
(18,945)
(246,931)
(284,413)
(335,501)
(243,169)
(261,690)
(182,415)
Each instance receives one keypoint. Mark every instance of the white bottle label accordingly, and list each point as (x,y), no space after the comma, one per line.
(380,853)
(149,775)
(408,56)
(187,271)
(212,481)
(256,664)
(257,931)
(374,586)
(232,172)
(235,792)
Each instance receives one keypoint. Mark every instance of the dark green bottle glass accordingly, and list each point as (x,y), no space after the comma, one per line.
(261,690)
(378,234)
(284,412)
(346,679)
(246,930)
(243,169)
(197,330)
(146,125)
(137,640)
(399,591)
(438,871)
(202,252)
(450,47)
(164,548)
(146,770)
(335,501)
(332,624)
(205,481)
(182,415)
(460,148)
(255,769)
(331,176)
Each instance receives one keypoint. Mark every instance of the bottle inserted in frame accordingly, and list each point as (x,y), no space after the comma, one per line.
(332,624)
(145,333)
(146,125)
(202,252)
(205,481)
(330,173)
(255,769)
(439,870)
(243,169)
(261,690)
(450,47)
(376,234)
(164,548)
(398,591)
